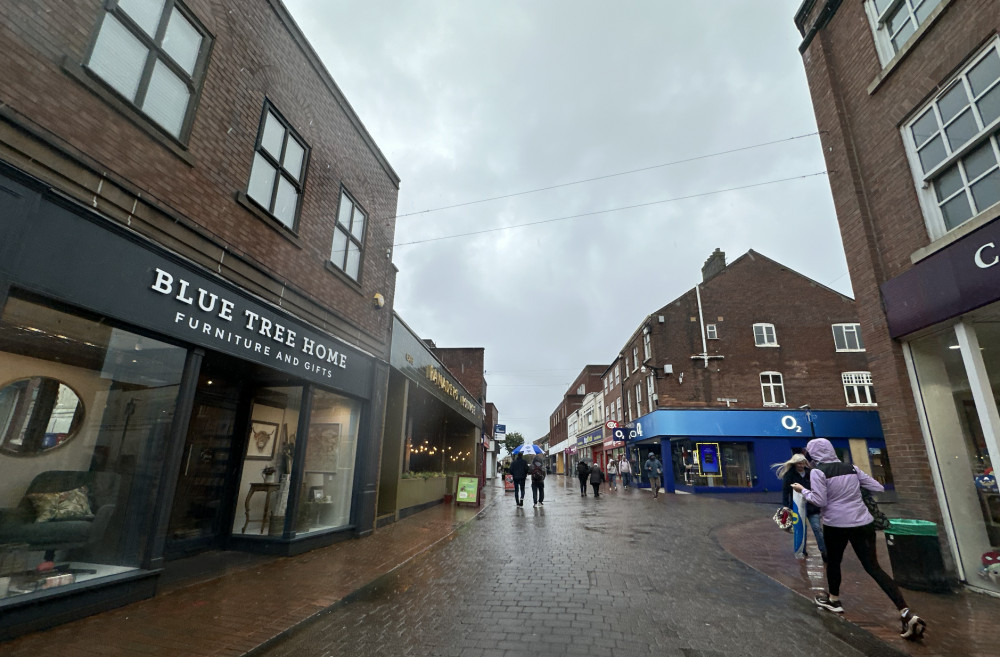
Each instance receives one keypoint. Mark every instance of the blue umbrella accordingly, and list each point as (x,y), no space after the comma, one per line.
(525,448)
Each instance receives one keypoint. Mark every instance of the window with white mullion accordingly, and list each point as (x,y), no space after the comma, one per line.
(858,388)
(896,21)
(847,337)
(638,398)
(772,389)
(954,147)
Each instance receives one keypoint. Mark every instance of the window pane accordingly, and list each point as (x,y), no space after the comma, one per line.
(273,137)
(339,251)
(953,102)
(979,161)
(932,154)
(924,10)
(166,99)
(293,158)
(118,57)
(880,5)
(182,41)
(779,393)
(358,227)
(989,105)
(146,13)
(261,181)
(956,211)
(904,35)
(986,192)
(924,128)
(962,130)
(286,201)
(948,183)
(353,260)
(852,394)
(344,218)
(838,338)
(985,73)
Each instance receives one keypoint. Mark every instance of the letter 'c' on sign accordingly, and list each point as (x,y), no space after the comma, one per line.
(979,256)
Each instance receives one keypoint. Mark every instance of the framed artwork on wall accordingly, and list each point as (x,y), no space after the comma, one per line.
(263,438)
(321,450)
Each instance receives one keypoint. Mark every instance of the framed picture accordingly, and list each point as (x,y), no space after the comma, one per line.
(263,438)
(321,450)
(315,494)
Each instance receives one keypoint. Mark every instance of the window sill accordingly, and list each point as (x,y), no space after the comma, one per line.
(269,221)
(956,234)
(862,405)
(775,405)
(767,346)
(917,36)
(336,271)
(154,131)
(850,351)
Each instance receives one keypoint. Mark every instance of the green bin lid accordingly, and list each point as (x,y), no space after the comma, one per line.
(904,527)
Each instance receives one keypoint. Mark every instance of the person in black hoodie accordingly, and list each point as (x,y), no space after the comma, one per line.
(519,473)
(796,471)
(583,473)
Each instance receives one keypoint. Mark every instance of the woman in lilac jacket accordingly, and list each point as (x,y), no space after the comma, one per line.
(836,489)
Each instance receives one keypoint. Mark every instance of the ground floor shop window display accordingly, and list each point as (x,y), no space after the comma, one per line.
(956,371)
(732,466)
(85,411)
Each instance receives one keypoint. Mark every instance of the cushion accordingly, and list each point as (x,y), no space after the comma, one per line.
(64,505)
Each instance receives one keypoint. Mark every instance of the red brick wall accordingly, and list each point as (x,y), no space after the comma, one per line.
(256,56)
(467,365)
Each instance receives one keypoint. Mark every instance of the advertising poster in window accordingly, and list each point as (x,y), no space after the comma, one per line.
(708,460)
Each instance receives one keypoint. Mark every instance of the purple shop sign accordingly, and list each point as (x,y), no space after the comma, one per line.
(957,279)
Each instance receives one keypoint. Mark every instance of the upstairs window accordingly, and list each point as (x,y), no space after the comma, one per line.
(635,358)
(858,388)
(348,237)
(772,389)
(152,53)
(953,146)
(711,332)
(847,337)
(647,349)
(895,21)
(279,164)
(764,335)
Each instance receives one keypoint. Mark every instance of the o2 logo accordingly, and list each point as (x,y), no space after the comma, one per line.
(791,424)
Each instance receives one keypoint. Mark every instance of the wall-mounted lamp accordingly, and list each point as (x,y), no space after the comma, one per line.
(378,301)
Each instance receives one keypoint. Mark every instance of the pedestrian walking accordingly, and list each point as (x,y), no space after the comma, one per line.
(612,474)
(796,471)
(596,478)
(836,490)
(519,473)
(583,473)
(653,472)
(537,472)
(625,470)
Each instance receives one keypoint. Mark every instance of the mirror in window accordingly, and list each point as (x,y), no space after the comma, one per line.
(38,414)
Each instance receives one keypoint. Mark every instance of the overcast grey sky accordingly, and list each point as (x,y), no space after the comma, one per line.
(471,100)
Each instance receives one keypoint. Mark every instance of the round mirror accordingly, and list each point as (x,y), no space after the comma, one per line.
(38,415)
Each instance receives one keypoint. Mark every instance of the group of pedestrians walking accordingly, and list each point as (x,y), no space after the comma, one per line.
(520,471)
(838,515)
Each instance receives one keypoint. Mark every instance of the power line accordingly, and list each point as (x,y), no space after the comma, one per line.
(606,176)
(626,207)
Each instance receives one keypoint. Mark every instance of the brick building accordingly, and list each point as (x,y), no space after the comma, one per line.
(562,445)
(195,297)
(906,99)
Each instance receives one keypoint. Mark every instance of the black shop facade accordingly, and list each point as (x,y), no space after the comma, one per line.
(152,411)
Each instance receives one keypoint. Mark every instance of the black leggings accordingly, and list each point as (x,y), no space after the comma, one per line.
(862,539)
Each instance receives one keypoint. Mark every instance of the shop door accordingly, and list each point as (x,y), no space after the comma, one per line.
(201,511)
(737,470)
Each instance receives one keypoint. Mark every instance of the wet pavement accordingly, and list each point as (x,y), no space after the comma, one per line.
(693,576)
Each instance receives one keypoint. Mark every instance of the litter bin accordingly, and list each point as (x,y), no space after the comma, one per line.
(915,555)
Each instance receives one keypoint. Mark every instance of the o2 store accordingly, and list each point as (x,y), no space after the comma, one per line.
(732,450)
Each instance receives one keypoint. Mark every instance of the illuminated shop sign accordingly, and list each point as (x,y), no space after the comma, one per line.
(438,379)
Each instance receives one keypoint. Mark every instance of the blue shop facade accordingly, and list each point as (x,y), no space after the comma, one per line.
(733,450)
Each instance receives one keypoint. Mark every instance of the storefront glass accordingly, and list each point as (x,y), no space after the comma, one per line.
(736,469)
(956,420)
(328,476)
(85,413)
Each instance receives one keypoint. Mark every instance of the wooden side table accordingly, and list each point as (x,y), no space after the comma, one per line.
(268,488)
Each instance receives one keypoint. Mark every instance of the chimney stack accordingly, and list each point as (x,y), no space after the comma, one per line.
(715,264)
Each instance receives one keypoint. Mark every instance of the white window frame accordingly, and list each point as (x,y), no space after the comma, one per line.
(346,231)
(763,339)
(849,335)
(158,60)
(635,358)
(711,332)
(916,14)
(618,376)
(651,391)
(957,157)
(768,388)
(862,387)
(647,348)
(628,397)
(618,411)
(638,399)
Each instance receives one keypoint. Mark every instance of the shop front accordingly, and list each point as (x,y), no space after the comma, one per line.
(733,450)
(433,431)
(945,311)
(150,410)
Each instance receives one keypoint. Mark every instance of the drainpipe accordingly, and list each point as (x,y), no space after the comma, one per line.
(701,320)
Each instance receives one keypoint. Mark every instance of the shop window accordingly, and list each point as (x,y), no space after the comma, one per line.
(152,53)
(772,388)
(84,425)
(278,171)
(348,237)
(764,335)
(858,388)
(953,146)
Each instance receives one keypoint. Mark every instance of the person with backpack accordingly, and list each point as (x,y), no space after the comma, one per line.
(625,470)
(537,472)
(836,490)
(653,472)
(519,473)
(583,473)
(596,478)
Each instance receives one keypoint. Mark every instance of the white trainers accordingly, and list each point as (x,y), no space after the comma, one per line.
(913,626)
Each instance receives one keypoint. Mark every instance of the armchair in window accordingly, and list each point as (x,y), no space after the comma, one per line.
(61,510)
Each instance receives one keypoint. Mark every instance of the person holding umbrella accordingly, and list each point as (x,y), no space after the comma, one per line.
(519,472)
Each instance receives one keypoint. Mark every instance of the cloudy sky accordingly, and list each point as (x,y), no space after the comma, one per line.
(701,107)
